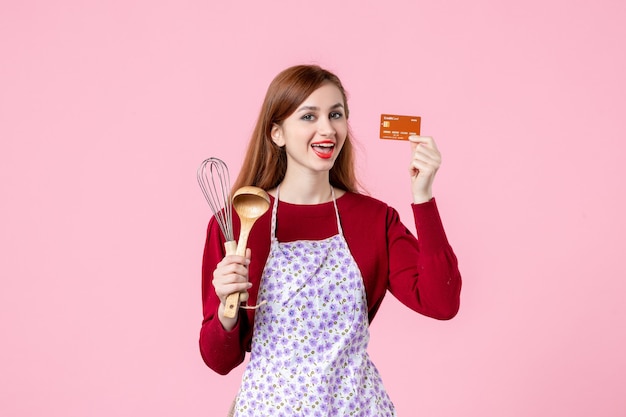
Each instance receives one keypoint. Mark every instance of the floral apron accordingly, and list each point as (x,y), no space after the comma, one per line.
(309,349)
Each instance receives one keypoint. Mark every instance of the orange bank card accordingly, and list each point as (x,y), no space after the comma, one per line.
(399,127)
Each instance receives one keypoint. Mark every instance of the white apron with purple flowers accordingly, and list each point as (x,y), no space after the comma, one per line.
(309,349)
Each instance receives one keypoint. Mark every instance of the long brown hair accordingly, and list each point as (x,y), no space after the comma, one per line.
(265,163)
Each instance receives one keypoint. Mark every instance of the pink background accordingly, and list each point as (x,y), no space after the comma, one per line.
(108,107)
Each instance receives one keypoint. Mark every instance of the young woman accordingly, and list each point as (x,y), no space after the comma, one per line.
(319,261)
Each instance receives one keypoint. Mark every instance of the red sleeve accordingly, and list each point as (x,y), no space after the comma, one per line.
(221,350)
(423,273)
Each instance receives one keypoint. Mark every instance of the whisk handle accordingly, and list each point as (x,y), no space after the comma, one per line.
(232,301)
(230,247)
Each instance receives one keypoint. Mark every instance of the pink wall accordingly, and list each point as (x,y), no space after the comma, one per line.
(107,108)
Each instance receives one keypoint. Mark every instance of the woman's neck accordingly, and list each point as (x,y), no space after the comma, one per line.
(305,189)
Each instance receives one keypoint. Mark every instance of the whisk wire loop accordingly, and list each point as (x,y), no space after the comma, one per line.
(214,181)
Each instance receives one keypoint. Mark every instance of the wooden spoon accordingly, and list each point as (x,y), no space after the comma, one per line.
(250,203)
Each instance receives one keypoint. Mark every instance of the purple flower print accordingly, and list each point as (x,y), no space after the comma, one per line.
(294,325)
(269,297)
(341,325)
(352,405)
(345,308)
(316,280)
(259,350)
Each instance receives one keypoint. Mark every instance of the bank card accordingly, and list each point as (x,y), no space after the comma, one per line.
(399,127)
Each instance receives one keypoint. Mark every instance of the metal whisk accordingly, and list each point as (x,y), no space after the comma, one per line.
(214,181)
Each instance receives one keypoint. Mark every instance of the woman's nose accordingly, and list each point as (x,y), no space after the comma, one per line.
(325,127)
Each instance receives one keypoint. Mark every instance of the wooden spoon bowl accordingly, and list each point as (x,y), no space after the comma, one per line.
(250,203)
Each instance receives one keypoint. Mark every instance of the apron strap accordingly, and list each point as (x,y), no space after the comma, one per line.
(274,210)
(339,229)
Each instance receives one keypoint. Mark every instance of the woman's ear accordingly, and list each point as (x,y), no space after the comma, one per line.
(277,135)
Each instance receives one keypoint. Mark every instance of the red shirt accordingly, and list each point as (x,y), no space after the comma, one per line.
(422,274)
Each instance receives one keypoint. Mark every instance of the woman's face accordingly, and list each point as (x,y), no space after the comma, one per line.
(315,133)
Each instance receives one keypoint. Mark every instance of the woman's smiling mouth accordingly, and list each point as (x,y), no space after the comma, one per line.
(323,149)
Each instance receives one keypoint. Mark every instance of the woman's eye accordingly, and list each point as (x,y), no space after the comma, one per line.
(308,117)
(336,115)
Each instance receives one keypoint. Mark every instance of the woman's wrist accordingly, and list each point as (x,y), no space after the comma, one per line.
(420,198)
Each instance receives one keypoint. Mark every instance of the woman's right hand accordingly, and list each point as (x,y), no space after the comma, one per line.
(230,276)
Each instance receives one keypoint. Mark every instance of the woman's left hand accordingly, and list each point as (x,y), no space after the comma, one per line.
(425,161)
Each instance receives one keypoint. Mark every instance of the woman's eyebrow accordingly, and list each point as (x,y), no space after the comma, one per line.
(315,108)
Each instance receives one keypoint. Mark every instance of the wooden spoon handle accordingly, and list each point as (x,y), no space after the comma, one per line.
(242,244)
(232,301)
(232,305)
